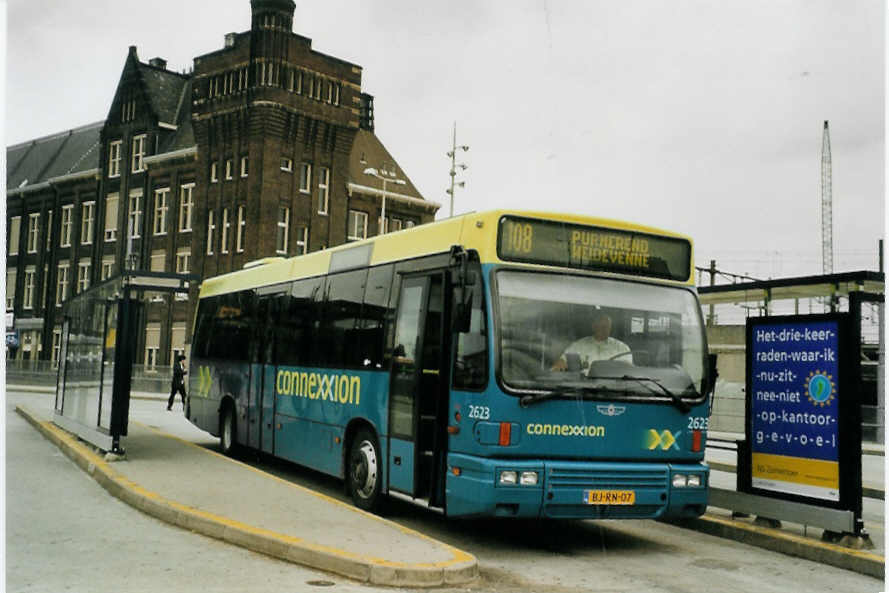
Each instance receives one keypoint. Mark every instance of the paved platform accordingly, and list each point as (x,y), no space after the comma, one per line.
(200,490)
(196,488)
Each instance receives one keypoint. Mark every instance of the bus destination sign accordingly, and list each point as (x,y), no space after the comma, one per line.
(593,248)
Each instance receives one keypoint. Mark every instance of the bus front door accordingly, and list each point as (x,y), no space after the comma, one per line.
(417,400)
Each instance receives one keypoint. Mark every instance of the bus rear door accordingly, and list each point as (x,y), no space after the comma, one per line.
(261,412)
(418,392)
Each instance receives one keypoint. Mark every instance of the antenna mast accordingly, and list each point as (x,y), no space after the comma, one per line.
(826,205)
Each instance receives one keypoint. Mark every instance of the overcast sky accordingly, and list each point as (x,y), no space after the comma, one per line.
(703,117)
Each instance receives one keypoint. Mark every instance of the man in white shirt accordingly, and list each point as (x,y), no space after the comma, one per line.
(599,346)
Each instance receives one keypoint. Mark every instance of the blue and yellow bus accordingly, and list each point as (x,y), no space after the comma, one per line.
(505,363)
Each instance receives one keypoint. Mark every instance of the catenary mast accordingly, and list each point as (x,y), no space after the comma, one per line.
(826,204)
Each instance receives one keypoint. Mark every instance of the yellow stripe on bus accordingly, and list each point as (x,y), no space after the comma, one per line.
(476,231)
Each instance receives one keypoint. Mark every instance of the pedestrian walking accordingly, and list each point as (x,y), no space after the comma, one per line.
(178,382)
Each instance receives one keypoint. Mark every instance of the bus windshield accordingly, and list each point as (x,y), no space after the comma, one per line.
(579,335)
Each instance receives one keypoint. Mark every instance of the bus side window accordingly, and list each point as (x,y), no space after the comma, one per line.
(342,318)
(373,315)
(231,327)
(295,328)
(471,362)
(203,326)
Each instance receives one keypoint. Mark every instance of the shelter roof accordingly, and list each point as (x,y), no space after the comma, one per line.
(802,287)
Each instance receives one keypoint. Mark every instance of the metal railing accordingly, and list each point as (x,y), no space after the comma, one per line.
(43,373)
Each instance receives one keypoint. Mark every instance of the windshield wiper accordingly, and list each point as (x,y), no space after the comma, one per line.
(527,400)
(644,381)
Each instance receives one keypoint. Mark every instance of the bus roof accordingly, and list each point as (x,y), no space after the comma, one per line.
(476,230)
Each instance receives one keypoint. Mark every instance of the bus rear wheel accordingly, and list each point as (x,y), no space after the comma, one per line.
(227,431)
(364,471)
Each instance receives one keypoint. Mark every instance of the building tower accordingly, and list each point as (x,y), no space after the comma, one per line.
(826,205)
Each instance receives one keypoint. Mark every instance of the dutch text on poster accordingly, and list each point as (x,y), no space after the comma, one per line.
(794,407)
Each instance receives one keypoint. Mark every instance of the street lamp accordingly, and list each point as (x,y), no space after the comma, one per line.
(454,164)
(386,177)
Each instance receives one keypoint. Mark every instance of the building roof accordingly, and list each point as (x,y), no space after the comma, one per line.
(37,161)
(368,152)
(164,90)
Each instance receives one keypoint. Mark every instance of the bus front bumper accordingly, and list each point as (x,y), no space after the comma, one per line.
(478,486)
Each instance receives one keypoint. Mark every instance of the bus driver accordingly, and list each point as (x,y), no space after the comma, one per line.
(599,346)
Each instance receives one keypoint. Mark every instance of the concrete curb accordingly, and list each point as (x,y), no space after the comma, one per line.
(791,544)
(462,569)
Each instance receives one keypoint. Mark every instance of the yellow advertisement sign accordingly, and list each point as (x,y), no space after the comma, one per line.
(797,475)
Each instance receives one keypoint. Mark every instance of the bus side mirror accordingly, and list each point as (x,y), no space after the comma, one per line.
(712,373)
(461,317)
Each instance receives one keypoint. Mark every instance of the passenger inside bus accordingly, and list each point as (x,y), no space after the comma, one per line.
(598,346)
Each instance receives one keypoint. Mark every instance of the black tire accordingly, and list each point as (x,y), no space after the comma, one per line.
(364,471)
(227,438)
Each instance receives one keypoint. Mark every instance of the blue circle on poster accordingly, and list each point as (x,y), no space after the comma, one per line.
(820,388)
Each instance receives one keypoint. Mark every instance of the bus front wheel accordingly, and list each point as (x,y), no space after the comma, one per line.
(227,431)
(364,473)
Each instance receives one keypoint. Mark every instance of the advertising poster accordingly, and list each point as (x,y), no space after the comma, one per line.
(795,391)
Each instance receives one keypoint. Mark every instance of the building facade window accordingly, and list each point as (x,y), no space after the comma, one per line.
(152,345)
(244,162)
(48,230)
(226,225)
(305,177)
(183,260)
(56,347)
(139,143)
(177,341)
(135,216)
(87,222)
(186,205)
(282,230)
(286,164)
(158,260)
(228,169)
(83,275)
(214,173)
(161,207)
(357,225)
(33,232)
(323,186)
(114,158)
(10,289)
(242,229)
(302,240)
(111,217)
(107,267)
(45,286)
(62,281)
(211,228)
(30,283)
(15,235)
(65,237)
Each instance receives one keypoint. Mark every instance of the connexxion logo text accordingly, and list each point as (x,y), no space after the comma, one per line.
(566,430)
(333,387)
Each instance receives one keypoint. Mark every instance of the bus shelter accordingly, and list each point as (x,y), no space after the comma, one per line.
(100,331)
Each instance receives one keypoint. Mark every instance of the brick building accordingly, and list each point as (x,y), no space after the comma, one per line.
(260,151)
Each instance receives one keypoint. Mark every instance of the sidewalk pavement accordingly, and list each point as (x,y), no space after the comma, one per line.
(200,490)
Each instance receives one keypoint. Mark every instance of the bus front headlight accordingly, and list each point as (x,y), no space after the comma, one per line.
(528,479)
(508,478)
(680,480)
